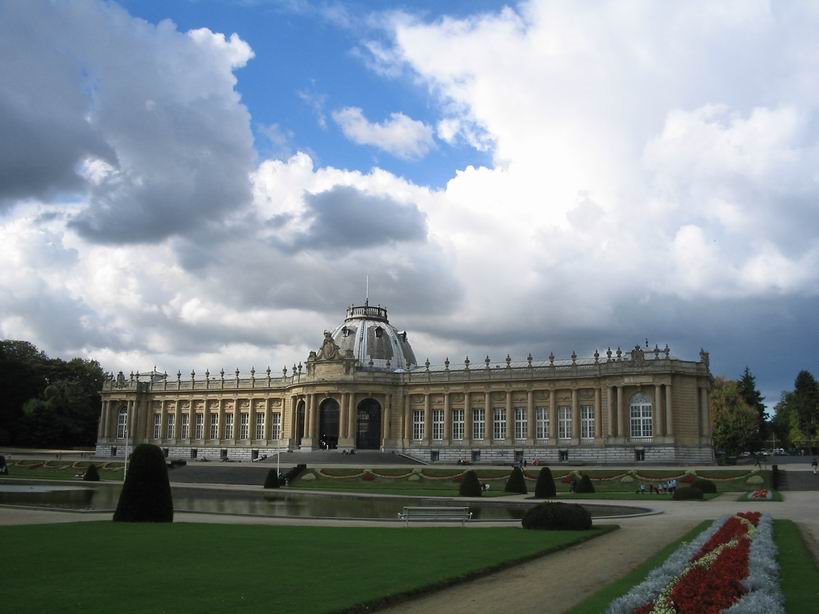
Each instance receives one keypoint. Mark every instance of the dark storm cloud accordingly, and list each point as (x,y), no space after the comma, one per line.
(345,217)
(85,81)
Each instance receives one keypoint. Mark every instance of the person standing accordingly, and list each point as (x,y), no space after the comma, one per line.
(813,465)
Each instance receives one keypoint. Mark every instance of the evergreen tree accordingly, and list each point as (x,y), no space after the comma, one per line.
(545,486)
(471,485)
(516,482)
(746,387)
(146,493)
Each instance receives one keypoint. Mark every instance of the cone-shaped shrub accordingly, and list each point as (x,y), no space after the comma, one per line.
(545,487)
(272,479)
(4,468)
(557,516)
(687,493)
(516,482)
(146,494)
(704,485)
(91,474)
(584,484)
(471,486)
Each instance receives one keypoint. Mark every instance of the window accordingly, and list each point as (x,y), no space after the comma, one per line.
(244,426)
(564,422)
(641,420)
(437,424)
(223,453)
(171,432)
(259,425)
(499,423)
(434,456)
(587,422)
(157,426)
(457,424)
(194,452)
(639,455)
(542,423)
(276,426)
(228,426)
(476,456)
(199,432)
(185,427)
(478,423)
(418,425)
(564,455)
(214,426)
(521,423)
(122,423)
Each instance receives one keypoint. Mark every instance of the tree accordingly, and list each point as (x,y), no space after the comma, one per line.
(797,413)
(516,482)
(746,386)
(146,493)
(545,486)
(735,424)
(471,485)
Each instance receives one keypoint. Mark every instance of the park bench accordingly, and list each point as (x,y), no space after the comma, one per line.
(436,514)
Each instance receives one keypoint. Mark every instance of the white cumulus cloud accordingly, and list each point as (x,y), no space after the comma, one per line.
(398,135)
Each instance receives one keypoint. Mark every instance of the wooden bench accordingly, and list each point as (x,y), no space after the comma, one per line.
(436,514)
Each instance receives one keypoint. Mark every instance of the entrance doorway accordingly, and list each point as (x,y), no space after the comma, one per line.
(328,424)
(368,435)
(299,422)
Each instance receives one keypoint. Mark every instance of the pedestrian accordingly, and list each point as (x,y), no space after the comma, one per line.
(813,465)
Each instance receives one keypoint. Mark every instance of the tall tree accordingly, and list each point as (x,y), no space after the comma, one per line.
(736,424)
(746,386)
(805,401)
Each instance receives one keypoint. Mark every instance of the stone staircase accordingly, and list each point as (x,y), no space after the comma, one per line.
(798,480)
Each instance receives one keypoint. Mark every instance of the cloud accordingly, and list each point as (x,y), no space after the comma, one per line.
(163,150)
(399,135)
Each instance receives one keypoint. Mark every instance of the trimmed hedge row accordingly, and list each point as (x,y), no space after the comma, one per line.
(557,516)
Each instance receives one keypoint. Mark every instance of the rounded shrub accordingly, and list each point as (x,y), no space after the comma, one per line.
(91,474)
(687,493)
(557,517)
(272,479)
(516,482)
(146,494)
(471,486)
(584,484)
(545,486)
(706,486)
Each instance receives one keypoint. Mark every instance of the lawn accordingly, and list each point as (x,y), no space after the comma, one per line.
(105,567)
(61,470)
(799,574)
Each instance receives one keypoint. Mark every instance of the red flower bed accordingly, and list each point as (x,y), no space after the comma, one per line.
(688,478)
(368,477)
(732,529)
(712,588)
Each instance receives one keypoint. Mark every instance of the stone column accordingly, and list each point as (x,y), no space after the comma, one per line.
(510,419)
(621,414)
(705,413)
(268,417)
(352,425)
(489,418)
(598,414)
(101,422)
(669,423)
(530,414)
(407,420)
(308,418)
(467,419)
(610,411)
(221,434)
(385,423)
(177,422)
(553,440)
(342,418)
(656,410)
(447,420)
(251,419)
(237,419)
(575,418)
(427,420)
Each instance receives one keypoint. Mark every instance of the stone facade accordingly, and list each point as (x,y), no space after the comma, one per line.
(622,407)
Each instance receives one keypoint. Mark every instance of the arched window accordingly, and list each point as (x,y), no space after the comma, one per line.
(122,423)
(642,423)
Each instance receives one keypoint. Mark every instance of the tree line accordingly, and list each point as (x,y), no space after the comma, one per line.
(47,402)
(741,423)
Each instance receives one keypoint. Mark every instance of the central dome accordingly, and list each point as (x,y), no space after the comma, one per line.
(368,334)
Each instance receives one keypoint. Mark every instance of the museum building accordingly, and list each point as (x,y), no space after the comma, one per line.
(364,390)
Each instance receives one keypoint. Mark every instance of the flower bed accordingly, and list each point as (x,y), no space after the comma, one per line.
(731,566)
(761,494)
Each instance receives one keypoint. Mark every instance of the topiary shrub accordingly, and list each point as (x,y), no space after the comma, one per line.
(545,486)
(557,517)
(687,493)
(272,479)
(516,482)
(146,494)
(706,486)
(584,484)
(91,474)
(4,468)
(471,486)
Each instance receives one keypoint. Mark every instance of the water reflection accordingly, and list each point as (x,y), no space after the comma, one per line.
(270,503)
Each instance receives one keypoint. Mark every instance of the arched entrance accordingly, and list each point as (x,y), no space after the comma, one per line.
(299,422)
(328,424)
(368,434)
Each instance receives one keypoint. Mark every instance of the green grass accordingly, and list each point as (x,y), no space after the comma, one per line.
(625,496)
(443,488)
(799,575)
(122,567)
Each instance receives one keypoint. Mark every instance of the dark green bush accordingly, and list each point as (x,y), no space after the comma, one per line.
(545,486)
(557,516)
(584,484)
(471,486)
(4,468)
(272,479)
(91,474)
(146,494)
(706,486)
(687,493)
(516,482)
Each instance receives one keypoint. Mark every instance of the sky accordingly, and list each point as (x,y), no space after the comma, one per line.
(206,184)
